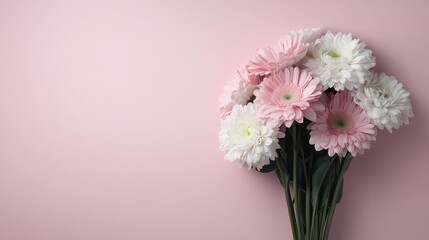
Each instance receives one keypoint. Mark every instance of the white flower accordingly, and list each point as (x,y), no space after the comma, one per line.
(385,101)
(247,141)
(309,35)
(340,61)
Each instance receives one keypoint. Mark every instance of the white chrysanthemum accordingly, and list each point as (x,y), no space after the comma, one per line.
(385,101)
(340,61)
(247,141)
(309,35)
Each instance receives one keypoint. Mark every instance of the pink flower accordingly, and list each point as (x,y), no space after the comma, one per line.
(288,96)
(285,53)
(239,90)
(342,127)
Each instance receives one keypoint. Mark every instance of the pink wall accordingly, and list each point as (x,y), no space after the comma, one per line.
(109,122)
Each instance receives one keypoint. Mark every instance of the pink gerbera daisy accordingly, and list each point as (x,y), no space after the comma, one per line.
(342,127)
(239,90)
(285,53)
(288,96)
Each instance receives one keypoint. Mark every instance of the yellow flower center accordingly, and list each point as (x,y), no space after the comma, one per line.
(247,132)
(334,54)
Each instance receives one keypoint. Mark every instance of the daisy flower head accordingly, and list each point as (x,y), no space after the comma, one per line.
(385,101)
(287,96)
(246,140)
(343,127)
(285,53)
(309,35)
(340,61)
(239,90)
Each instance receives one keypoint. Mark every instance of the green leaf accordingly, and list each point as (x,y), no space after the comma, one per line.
(318,178)
(341,181)
(320,160)
(280,177)
(327,191)
(340,194)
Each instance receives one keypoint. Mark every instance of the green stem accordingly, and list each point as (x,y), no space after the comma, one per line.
(325,207)
(316,227)
(314,218)
(285,182)
(322,219)
(344,165)
(307,204)
(295,181)
(307,177)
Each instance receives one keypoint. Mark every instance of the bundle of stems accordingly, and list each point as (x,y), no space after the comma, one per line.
(312,182)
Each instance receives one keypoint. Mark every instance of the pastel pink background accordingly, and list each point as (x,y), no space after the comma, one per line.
(109,122)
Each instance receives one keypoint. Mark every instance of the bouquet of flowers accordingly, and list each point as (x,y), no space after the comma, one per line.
(304,108)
